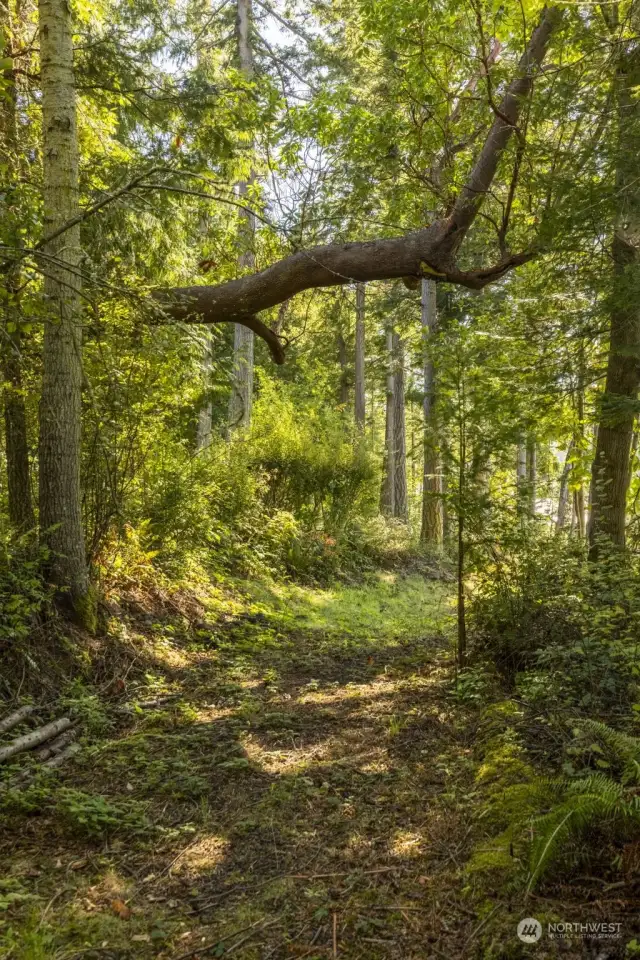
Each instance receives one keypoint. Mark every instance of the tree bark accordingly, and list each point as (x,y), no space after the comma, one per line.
(241,399)
(431,251)
(431,531)
(400,497)
(360,385)
(344,370)
(60,405)
(387,497)
(563,496)
(15,415)
(611,465)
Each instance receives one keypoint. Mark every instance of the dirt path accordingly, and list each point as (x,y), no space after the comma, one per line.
(306,794)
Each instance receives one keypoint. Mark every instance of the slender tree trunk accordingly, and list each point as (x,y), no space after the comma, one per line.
(360,394)
(205,413)
(387,497)
(611,465)
(521,474)
(563,497)
(15,414)
(401,500)
(60,405)
(431,531)
(462,615)
(241,399)
(579,510)
(344,370)
(531,474)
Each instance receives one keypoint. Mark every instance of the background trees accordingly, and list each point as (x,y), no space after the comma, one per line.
(334,147)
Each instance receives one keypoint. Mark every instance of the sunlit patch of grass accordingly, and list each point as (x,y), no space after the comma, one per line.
(385,607)
(201,856)
(405,843)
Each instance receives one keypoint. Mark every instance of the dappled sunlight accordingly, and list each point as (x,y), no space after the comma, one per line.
(406,844)
(204,855)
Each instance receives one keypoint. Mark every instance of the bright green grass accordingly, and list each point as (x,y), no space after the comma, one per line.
(385,607)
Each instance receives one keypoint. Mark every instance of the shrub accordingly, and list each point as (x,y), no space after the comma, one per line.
(559,627)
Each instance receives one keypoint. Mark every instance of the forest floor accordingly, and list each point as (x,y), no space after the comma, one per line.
(309,791)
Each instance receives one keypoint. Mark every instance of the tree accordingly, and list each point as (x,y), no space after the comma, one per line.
(400,496)
(431,531)
(388,491)
(431,251)
(611,464)
(359,372)
(60,404)
(15,414)
(241,397)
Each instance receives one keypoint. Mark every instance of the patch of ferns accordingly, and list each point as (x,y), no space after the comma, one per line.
(550,819)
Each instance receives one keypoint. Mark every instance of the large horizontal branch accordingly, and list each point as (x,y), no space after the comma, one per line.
(427,252)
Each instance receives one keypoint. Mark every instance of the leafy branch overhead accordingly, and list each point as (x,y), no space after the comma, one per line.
(431,251)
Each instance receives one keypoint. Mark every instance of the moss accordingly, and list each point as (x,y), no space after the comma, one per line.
(85,610)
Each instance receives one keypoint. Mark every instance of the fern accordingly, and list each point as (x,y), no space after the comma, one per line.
(623,748)
(596,800)
(549,817)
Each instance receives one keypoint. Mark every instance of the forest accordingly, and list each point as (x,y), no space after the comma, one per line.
(319,479)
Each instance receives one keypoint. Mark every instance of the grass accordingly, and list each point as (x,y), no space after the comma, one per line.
(309,792)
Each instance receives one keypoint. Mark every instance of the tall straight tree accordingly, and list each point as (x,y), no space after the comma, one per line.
(360,385)
(15,415)
(400,498)
(611,465)
(241,398)
(60,404)
(387,495)
(431,528)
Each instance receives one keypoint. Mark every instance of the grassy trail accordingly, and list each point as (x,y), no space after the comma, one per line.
(305,794)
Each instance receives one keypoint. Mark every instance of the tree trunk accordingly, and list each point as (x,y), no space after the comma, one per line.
(387,497)
(531,475)
(15,414)
(611,465)
(521,473)
(400,499)
(360,394)
(241,399)
(344,370)
(60,405)
(431,531)
(563,496)
(205,413)
(462,466)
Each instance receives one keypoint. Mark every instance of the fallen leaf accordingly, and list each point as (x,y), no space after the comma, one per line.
(120,908)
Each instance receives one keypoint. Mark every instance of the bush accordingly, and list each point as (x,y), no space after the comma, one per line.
(558,627)
(286,498)
(23,591)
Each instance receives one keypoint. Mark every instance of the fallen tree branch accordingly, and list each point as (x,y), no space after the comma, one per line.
(30,740)
(62,757)
(8,723)
(54,747)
